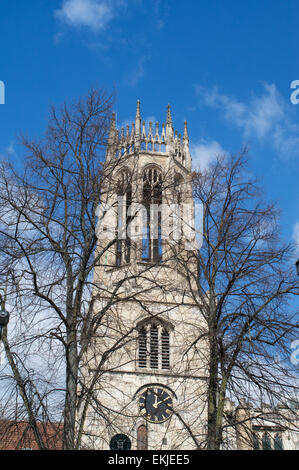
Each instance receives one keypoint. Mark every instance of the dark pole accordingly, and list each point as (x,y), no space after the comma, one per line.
(297,267)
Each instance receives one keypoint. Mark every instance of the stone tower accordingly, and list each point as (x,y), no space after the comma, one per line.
(150,390)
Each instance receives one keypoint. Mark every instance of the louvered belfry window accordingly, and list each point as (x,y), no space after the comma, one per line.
(153,347)
(165,349)
(142,348)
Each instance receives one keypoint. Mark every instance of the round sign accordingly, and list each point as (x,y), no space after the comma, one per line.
(4,318)
(120,442)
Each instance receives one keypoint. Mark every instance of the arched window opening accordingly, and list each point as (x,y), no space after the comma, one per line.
(142,438)
(266,442)
(278,445)
(152,199)
(154,346)
(255,442)
(124,193)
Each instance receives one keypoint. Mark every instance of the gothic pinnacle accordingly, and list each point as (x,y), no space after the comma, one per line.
(112,129)
(169,118)
(138,115)
(186,135)
(138,125)
(111,138)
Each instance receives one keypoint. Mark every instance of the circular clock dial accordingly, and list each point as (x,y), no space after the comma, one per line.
(120,442)
(155,404)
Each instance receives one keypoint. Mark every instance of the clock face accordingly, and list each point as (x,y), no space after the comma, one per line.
(155,404)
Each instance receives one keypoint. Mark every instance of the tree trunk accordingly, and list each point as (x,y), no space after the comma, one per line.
(213,438)
(71,392)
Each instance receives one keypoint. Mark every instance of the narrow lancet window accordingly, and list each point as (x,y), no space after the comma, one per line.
(152,199)
(123,242)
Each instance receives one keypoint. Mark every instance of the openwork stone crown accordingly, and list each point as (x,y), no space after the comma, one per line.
(156,140)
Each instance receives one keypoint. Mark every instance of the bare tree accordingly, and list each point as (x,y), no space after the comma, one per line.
(65,325)
(48,241)
(68,330)
(244,287)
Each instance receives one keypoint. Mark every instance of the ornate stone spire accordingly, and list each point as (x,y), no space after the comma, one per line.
(110,153)
(186,135)
(169,132)
(112,128)
(138,126)
(169,117)
(186,150)
(138,114)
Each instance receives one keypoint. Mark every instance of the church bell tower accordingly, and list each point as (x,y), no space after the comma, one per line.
(147,352)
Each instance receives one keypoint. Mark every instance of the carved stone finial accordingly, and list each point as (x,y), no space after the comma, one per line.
(169,118)
(110,153)
(138,114)
(138,125)
(186,135)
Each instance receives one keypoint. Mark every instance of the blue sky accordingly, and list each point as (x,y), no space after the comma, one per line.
(225,66)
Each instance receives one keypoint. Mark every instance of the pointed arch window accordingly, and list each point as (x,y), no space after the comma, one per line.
(154,346)
(124,194)
(266,442)
(142,438)
(278,445)
(255,442)
(152,232)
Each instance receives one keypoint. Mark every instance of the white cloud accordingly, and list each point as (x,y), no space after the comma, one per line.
(267,117)
(134,76)
(93,14)
(204,153)
(10,149)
